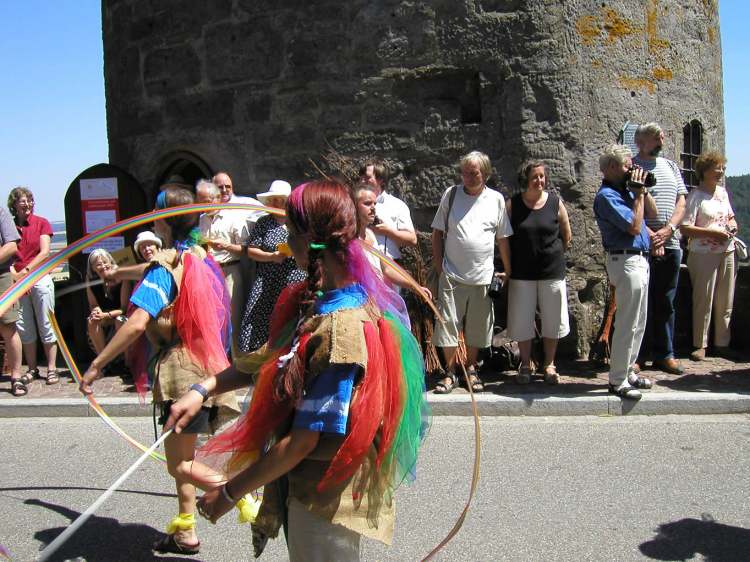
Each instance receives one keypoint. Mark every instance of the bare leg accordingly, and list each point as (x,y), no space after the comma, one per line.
(50,351)
(97,336)
(524,348)
(12,348)
(449,355)
(29,352)
(550,348)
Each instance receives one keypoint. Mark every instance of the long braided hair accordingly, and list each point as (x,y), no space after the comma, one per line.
(323,212)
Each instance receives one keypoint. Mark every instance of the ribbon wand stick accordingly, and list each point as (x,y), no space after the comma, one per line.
(81,519)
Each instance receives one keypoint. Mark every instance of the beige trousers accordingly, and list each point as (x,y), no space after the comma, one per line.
(233,280)
(713,277)
(312,539)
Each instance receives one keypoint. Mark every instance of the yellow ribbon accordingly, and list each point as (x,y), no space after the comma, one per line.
(183,522)
(248,507)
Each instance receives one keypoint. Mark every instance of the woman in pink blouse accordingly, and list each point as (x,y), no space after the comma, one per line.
(710,225)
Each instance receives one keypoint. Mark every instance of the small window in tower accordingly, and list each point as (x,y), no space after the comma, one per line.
(692,145)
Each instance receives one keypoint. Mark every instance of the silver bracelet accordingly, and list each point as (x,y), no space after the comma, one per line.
(226,495)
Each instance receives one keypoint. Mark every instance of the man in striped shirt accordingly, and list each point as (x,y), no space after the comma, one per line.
(666,254)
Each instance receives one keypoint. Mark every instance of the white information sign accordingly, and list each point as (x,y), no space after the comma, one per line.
(98,188)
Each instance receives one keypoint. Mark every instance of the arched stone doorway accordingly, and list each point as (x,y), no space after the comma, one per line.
(183,167)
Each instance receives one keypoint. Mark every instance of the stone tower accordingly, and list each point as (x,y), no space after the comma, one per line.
(259,87)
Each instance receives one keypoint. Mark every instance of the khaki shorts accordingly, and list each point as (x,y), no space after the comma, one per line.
(464,307)
(11,315)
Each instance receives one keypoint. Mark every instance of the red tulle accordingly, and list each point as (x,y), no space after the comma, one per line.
(365,414)
(201,313)
(393,391)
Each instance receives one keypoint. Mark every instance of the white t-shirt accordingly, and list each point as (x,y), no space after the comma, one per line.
(475,223)
(709,211)
(251,216)
(228,226)
(395,214)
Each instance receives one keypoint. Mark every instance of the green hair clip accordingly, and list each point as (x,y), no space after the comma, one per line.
(316,246)
(318,294)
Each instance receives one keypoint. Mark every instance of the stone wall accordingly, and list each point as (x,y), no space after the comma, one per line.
(259,88)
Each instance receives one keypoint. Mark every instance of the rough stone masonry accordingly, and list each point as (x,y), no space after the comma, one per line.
(259,88)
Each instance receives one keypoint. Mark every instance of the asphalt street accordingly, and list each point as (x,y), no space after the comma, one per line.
(583,488)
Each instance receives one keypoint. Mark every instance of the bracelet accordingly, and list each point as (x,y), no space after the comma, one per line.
(200,389)
(227,495)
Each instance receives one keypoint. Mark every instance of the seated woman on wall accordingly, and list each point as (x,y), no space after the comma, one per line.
(107,300)
(710,225)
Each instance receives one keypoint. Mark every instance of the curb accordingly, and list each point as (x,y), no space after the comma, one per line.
(685,403)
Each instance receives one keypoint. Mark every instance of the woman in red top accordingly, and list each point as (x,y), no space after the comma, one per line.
(33,249)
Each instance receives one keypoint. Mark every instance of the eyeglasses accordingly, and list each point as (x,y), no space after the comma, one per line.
(228,186)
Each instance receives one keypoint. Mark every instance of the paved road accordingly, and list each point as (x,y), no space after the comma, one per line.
(584,488)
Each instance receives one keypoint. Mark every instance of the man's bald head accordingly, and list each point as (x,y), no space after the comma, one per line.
(224,183)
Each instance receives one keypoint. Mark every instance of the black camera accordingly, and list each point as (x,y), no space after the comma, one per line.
(649,180)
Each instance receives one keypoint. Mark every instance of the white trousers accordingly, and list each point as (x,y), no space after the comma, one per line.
(629,275)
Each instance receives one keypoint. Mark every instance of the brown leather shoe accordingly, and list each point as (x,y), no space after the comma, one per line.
(671,366)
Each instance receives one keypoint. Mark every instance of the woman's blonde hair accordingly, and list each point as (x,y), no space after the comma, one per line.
(708,160)
(95,255)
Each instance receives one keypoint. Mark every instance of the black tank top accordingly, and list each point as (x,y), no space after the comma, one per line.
(107,299)
(536,249)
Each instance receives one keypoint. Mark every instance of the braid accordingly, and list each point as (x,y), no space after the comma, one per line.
(323,211)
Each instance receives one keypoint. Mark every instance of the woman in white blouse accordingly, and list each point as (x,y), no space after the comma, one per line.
(710,225)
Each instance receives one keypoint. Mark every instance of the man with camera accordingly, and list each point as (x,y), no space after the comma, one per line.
(666,255)
(619,207)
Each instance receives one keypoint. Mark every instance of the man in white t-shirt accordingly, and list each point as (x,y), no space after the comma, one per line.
(393,227)
(463,246)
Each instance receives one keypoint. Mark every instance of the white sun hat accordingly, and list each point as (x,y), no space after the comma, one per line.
(279,188)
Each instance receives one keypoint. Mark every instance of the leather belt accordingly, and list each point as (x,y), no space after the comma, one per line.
(629,252)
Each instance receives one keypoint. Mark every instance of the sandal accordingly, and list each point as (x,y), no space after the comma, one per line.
(476,383)
(443,387)
(52,377)
(524,375)
(551,376)
(169,544)
(18,387)
(29,376)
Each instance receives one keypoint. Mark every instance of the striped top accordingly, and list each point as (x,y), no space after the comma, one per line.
(668,186)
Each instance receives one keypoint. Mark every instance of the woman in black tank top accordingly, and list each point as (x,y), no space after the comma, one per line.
(541,234)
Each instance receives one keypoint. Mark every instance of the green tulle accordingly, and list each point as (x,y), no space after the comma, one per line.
(415,421)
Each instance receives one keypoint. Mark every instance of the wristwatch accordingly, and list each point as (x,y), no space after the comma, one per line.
(200,389)
(672,227)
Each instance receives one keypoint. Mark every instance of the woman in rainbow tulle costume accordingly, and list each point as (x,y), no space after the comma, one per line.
(337,414)
(183,308)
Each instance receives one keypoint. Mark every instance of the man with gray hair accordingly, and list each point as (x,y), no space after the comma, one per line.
(470,220)
(226,233)
(666,254)
(619,207)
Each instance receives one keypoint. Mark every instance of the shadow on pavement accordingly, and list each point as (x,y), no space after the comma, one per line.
(101,539)
(119,491)
(683,539)
(726,380)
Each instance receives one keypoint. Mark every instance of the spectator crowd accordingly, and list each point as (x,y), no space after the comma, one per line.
(642,209)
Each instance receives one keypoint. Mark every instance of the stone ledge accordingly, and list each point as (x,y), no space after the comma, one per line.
(598,404)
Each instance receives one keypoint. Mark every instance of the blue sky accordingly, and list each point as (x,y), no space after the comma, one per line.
(52,94)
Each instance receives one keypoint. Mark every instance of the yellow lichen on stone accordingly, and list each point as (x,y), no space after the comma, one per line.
(596,63)
(654,42)
(637,84)
(661,73)
(712,34)
(588,28)
(616,26)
